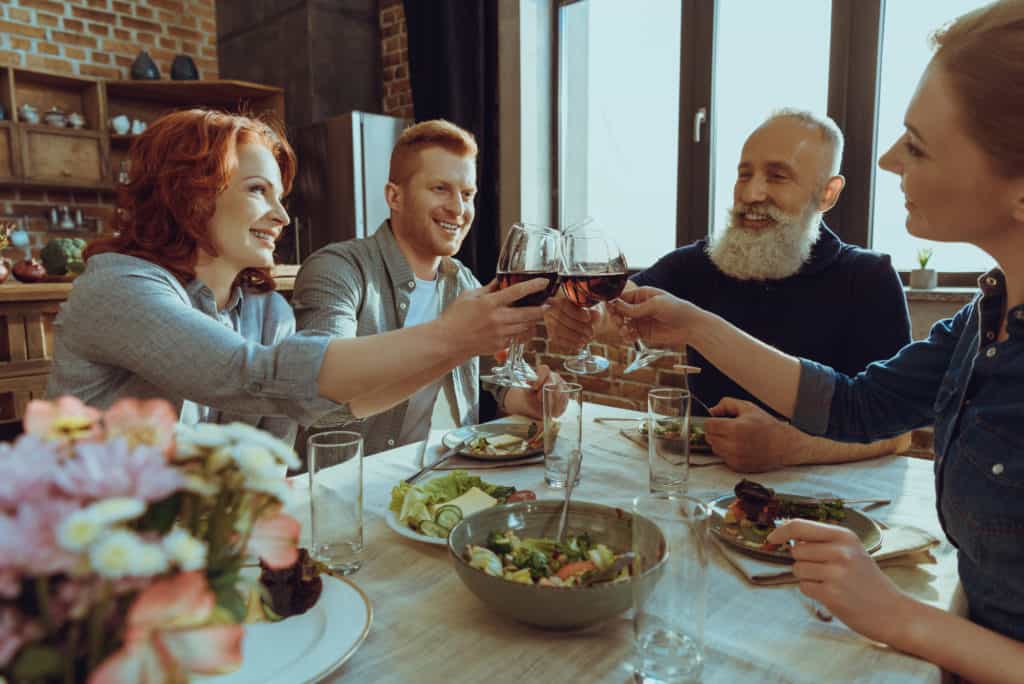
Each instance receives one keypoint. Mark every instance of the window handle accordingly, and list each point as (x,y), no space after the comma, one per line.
(700,117)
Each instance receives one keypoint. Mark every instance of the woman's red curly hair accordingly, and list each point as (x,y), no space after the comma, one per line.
(179,166)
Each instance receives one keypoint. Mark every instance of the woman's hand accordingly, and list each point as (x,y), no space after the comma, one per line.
(833,568)
(484,320)
(655,315)
(530,402)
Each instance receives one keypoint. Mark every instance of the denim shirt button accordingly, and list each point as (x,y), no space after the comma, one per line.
(412,284)
(990,335)
(997,469)
(391,442)
(990,281)
(402,306)
(990,352)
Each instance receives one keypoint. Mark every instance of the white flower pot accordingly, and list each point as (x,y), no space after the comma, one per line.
(923,278)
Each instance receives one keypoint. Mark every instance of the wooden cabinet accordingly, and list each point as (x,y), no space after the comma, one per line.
(35,154)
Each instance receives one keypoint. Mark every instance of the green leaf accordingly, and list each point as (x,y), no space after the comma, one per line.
(160,516)
(231,600)
(37,662)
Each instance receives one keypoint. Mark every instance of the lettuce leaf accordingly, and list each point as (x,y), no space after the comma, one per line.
(411,502)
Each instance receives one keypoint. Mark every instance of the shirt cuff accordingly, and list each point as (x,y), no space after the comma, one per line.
(814,397)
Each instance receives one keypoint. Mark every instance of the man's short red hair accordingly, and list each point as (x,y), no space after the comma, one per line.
(179,166)
(435,133)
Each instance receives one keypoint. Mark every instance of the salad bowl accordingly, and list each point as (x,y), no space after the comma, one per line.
(558,607)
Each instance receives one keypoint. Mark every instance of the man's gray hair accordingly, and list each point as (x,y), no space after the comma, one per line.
(828,129)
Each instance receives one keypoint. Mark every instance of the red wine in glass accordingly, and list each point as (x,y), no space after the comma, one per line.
(588,289)
(537,298)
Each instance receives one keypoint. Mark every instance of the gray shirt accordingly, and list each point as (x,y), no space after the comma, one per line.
(129,329)
(362,287)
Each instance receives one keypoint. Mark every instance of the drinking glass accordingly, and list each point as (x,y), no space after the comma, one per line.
(529,251)
(668,439)
(669,608)
(593,271)
(336,499)
(563,431)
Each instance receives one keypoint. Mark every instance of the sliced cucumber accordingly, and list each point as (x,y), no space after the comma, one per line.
(448,516)
(432,529)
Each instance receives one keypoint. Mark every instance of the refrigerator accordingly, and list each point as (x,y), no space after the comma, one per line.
(338,192)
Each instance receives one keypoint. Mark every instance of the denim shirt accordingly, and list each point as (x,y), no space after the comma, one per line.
(972,388)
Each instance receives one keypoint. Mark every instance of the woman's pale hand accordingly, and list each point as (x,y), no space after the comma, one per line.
(833,568)
(655,315)
(483,321)
(530,402)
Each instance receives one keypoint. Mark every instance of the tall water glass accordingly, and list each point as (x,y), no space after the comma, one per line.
(563,431)
(668,439)
(336,499)
(669,609)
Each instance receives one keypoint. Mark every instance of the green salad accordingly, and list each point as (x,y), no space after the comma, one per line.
(434,506)
(543,562)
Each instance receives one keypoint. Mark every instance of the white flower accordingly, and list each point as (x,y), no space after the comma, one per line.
(114,554)
(277,487)
(192,438)
(247,434)
(149,559)
(257,462)
(77,531)
(185,550)
(115,510)
(197,485)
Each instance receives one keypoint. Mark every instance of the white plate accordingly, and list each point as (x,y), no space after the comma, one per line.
(307,647)
(520,429)
(392,519)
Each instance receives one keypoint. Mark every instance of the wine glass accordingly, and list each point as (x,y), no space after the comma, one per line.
(529,251)
(645,355)
(593,271)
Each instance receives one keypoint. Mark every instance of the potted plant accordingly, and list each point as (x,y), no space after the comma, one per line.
(924,278)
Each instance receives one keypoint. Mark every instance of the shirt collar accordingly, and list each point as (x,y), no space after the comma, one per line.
(198,291)
(398,267)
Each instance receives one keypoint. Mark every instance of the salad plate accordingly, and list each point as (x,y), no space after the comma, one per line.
(497,441)
(698,443)
(391,518)
(750,542)
(307,647)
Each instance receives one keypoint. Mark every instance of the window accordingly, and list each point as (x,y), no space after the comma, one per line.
(618,125)
(906,50)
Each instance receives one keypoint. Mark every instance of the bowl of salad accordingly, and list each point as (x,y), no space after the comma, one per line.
(508,557)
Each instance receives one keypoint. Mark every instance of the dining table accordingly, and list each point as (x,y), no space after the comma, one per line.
(428,627)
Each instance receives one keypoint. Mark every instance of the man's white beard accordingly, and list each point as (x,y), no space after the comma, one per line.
(764,253)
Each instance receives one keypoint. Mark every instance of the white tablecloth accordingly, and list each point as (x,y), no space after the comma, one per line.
(429,628)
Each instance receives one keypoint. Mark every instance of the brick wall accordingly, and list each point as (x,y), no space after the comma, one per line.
(395,57)
(95,38)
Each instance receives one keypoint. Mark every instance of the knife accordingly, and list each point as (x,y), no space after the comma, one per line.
(444,457)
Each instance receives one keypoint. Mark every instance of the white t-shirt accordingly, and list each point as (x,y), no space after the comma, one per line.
(424,306)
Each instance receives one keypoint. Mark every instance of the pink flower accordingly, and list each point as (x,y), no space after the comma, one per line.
(274,538)
(15,631)
(164,636)
(28,540)
(149,422)
(65,420)
(113,469)
(26,470)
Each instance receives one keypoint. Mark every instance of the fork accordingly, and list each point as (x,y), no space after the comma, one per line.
(820,611)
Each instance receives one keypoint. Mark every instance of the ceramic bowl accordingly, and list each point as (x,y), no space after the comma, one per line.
(55,118)
(553,607)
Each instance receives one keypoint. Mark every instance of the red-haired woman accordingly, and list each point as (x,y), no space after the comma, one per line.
(961,167)
(180,304)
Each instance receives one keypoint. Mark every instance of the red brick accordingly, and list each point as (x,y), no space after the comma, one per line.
(168,18)
(44,5)
(10,58)
(121,34)
(74,53)
(20,43)
(145,38)
(203,12)
(140,25)
(123,61)
(188,21)
(402,72)
(122,7)
(21,30)
(99,29)
(208,27)
(392,45)
(59,66)
(183,33)
(73,25)
(143,12)
(189,48)
(168,43)
(117,46)
(93,15)
(208,52)
(47,49)
(100,57)
(99,71)
(391,60)
(44,19)
(73,39)
(206,66)
(98,4)
(15,14)
(175,6)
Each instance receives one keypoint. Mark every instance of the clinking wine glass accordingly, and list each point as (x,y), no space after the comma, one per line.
(529,251)
(593,271)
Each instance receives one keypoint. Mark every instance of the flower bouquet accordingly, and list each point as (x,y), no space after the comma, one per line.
(123,537)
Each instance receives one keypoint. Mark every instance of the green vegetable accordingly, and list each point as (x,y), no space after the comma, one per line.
(485,560)
(534,560)
(499,542)
(432,529)
(411,502)
(448,516)
(59,253)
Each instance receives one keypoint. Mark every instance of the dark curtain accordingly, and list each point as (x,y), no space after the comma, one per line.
(453,71)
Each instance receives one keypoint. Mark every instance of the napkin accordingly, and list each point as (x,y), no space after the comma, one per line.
(902,546)
(697,458)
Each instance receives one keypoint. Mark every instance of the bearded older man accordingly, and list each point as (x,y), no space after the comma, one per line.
(780,274)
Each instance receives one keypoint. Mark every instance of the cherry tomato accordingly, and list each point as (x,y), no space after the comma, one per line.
(523,495)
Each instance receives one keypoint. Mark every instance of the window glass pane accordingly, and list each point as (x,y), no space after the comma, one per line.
(618,89)
(906,50)
(768,55)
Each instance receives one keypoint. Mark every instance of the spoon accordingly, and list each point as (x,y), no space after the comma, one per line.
(572,472)
(612,571)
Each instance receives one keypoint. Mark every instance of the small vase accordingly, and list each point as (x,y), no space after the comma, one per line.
(923,278)
(144,68)
(184,69)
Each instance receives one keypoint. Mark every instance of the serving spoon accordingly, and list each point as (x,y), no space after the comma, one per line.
(575,460)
